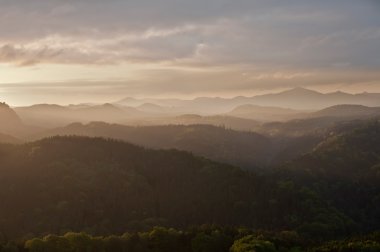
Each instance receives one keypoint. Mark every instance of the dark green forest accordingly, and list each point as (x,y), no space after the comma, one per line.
(245,149)
(101,188)
(205,238)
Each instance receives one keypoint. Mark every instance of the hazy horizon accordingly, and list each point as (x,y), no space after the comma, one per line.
(185,98)
(94,51)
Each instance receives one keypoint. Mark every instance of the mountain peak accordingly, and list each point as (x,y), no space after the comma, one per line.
(299,90)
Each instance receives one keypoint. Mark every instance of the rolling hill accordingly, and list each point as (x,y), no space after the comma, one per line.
(348,111)
(260,113)
(246,149)
(296,98)
(4,138)
(51,115)
(344,166)
(352,154)
(107,187)
(225,121)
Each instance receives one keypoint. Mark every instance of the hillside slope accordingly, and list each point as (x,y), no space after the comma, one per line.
(10,122)
(105,186)
(246,149)
(345,170)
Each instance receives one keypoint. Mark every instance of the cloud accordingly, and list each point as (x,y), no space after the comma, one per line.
(199,46)
(242,31)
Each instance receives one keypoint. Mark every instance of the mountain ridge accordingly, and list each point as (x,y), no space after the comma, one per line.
(295,98)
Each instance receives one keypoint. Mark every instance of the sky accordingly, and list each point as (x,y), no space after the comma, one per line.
(74,51)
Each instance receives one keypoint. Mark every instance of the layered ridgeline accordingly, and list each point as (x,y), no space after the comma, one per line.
(266,114)
(248,150)
(241,113)
(105,187)
(297,98)
(52,115)
(276,142)
(5,138)
(320,122)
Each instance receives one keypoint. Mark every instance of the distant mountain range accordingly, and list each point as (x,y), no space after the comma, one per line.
(289,113)
(296,103)
(51,115)
(297,98)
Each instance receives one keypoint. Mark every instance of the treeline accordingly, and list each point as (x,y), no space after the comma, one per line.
(105,187)
(196,239)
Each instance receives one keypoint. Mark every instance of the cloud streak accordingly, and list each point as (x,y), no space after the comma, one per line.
(271,43)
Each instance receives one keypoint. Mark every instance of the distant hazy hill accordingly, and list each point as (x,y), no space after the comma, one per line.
(51,115)
(262,113)
(301,98)
(320,121)
(151,108)
(9,139)
(229,122)
(241,148)
(348,111)
(134,102)
(10,122)
(298,127)
(297,98)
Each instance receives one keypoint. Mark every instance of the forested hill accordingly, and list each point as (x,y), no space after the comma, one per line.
(345,171)
(353,153)
(244,149)
(106,186)
(103,186)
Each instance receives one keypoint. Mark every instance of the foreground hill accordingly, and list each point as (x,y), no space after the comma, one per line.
(345,168)
(107,187)
(246,149)
(279,142)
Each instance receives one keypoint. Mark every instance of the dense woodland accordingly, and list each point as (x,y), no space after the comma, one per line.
(301,185)
(107,187)
(203,238)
